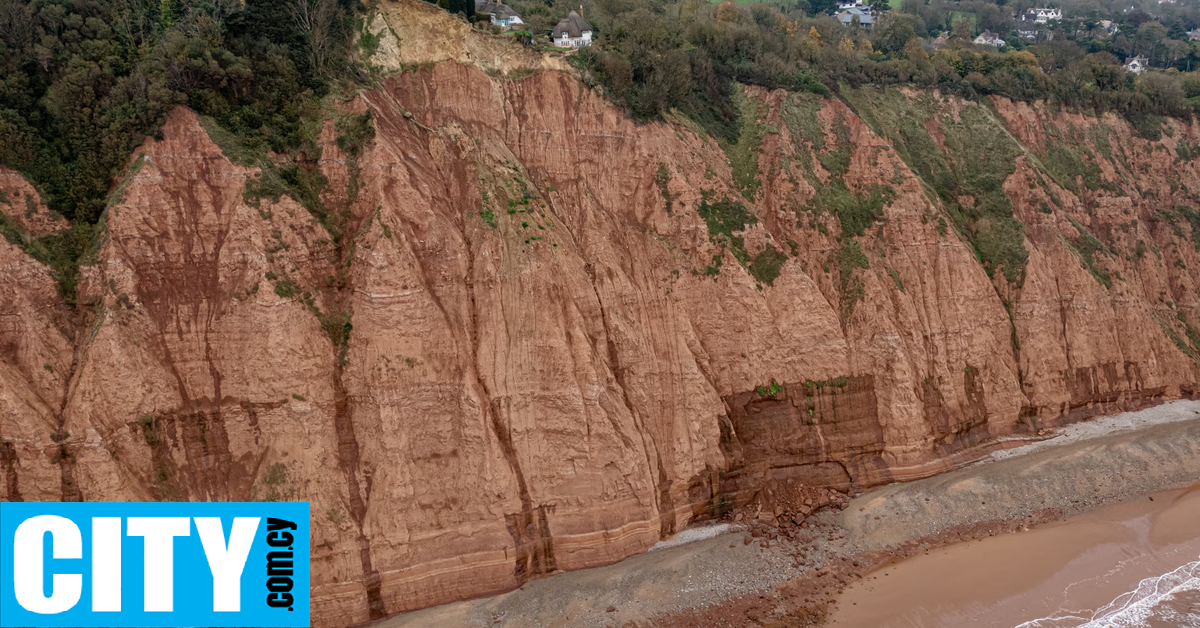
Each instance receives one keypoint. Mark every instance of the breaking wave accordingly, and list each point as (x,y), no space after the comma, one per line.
(1172,599)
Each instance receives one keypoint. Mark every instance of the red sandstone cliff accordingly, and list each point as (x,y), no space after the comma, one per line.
(509,358)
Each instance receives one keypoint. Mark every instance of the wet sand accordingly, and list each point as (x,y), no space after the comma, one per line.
(1068,567)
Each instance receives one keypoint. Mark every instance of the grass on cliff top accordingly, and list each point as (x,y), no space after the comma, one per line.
(60,251)
(800,114)
(856,211)
(967,177)
(743,154)
(302,182)
(65,251)
(1067,157)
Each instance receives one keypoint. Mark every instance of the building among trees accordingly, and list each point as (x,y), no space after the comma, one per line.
(1136,65)
(988,38)
(502,14)
(849,16)
(572,32)
(1041,16)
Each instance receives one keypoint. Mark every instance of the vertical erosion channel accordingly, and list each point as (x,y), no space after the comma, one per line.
(354,132)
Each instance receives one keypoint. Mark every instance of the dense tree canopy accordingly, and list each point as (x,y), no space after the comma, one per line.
(83,81)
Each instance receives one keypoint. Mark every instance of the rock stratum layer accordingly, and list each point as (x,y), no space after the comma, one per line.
(530,335)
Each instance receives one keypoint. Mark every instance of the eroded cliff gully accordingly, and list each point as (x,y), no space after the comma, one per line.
(541,336)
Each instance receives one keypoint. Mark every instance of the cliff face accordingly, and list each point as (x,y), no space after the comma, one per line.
(530,335)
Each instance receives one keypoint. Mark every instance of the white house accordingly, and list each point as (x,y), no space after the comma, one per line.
(988,38)
(502,14)
(1137,65)
(1041,16)
(850,4)
(572,32)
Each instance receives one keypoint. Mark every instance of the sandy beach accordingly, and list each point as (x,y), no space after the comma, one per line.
(1056,571)
(1062,524)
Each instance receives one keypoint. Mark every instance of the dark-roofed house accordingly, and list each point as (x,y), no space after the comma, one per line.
(502,14)
(848,17)
(572,32)
(1028,27)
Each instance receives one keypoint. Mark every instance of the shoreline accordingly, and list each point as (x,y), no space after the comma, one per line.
(778,571)
(1059,573)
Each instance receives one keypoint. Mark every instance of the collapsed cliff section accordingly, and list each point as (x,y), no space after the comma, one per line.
(492,328)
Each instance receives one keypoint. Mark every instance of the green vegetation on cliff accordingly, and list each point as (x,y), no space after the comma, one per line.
(655,57)
(855,211)
(1086,246)
(82,83)
(1188,214)
(965,168)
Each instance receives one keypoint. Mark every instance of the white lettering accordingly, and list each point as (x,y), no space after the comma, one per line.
(159,533)
(106,564)
(65,542)
(226,563)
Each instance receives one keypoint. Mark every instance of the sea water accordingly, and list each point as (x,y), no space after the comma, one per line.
(1168,600)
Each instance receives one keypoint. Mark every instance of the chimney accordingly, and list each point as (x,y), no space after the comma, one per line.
(581,10)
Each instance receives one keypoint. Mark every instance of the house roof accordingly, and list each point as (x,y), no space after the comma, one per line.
(498,10)
(573,25)
(848,16)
